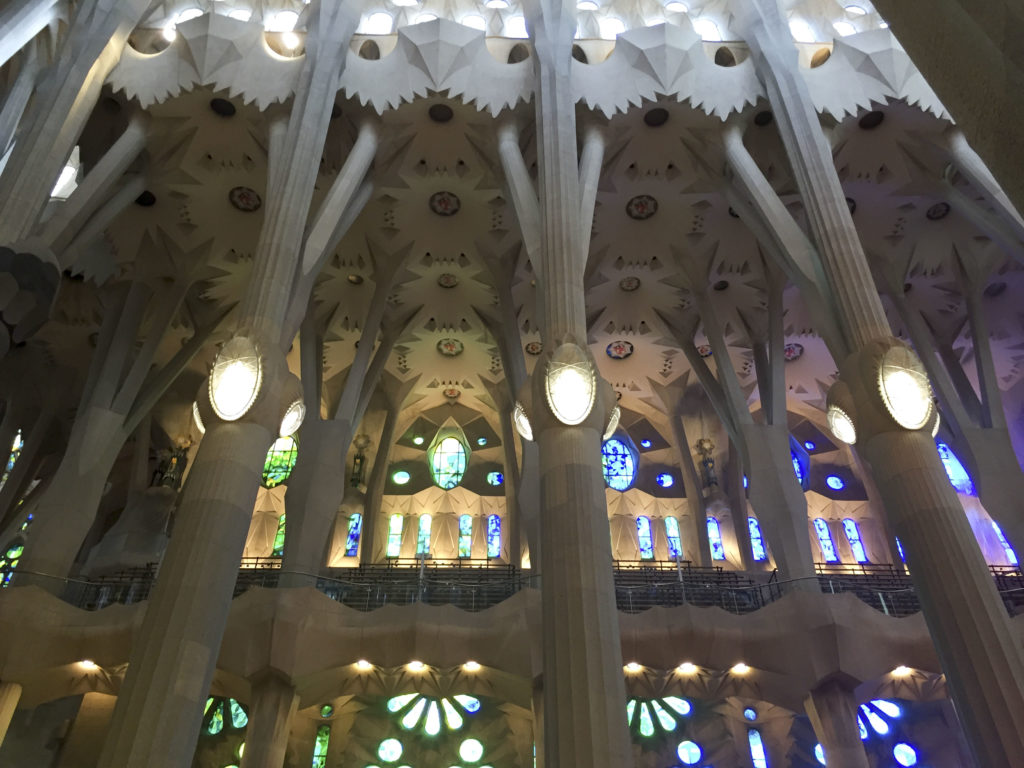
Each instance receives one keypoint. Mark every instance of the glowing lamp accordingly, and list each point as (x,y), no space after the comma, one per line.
(633,668)
(293,418)
(904,387)
(686,668)
(416,666)
(841,425)
(902,671)
(613,423)
(197,418)
(935,426)
(471,666)
(522,422)
(88,664)
(363,665)
(236,378)
(570,385)
(740,669)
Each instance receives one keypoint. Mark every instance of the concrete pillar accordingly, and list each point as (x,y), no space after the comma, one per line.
(832,709)
(10,693)
(18,96)
(20,21)
(538,721)
(375,488)
(271,708)
(82,745)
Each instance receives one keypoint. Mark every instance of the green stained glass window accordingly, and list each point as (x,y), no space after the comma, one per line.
(223,715)
(279,538)
(238,717)
(280,461)
(431,715)
(323,738)
(16,447)
(395,525)
(448,462)
(465,536)
(650,717)
(423,537)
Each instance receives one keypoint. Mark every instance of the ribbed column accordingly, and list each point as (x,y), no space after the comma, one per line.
(18,96)
(271,708)
(10,694)
(832,710)
(20,21)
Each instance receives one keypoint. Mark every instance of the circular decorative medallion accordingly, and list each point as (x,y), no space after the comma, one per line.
(704,350)
(937,211)
(447,280)
(245,199)
(450,347)
(619,350)
(452,393)
(445,203)
(792,351)
(533,347)
(629,284)
(641,207)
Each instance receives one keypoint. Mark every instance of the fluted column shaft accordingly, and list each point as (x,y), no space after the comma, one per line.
(20,21)
(271,708)
(832,710)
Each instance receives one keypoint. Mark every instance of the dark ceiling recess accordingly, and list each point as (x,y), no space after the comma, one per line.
(761,119)
(656,117)
(146,199)
(721,285)
(995,289)
(579,54)
(872,120)
(440,113)
(222,107)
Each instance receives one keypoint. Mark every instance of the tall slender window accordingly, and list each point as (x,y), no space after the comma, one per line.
(852,531)
(395,535)
(715,539)
(16,447)
(756,542)
(643,532)
(798,468)
(675,546)
(279,538)
(493,536)
(355,530)
(899,550)
(323,739)
(465,536)
(828,548)
(757,753)
(1011,556)
(423,537)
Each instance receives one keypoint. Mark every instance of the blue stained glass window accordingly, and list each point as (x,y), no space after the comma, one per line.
(819,754)
(675,547)
(809,445)
(355,530)
(493,536)
(835,482)
(798,469)
(852,531)
(448,463)
(395,525)
(689,752)
(645,443)
(757,754)
(643,532)
(828,548)
(956,471)
(715,539)
(619,467)
(756,542)
(1011,556)
(423,536)
(495,478)
(905,754)
(279,538)
(899,550)
(665,480)
(465,535)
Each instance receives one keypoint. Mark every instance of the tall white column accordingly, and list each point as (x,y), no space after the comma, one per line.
(271,709)
(20,21)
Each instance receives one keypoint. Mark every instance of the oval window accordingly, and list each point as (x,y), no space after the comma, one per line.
(448,463)
(619,466)
(280,461)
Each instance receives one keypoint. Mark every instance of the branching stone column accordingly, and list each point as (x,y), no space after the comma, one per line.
(570,408)
(271,709)
(20,21)
(832,709)
(882,402)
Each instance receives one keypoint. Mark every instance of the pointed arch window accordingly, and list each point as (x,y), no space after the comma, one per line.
(675,546)
(757,754)
(715,539)
(1011,556)
(756,541)
(16,447)
(955,471)
(278,550)
(465,535)
(852,531)
(355,531)
(423,537)
(280,461)
(494,536)
(395,525)
(828,547)
(323,741)
(646,540)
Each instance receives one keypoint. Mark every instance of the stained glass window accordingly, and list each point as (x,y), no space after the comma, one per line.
(852,531)
(280,461)
(689,752)
(355,530)
(956,472)
(715,539)
(650,717)
(279,538)
(465,535)
(16,447)
(757,753)
(448,462)
(423,537)
(395,525)
(899,550)
(798,469)
(878,723)
(1011,556)
(323,739)
(643,532)
(430,715)
(828,548)
(493,536)
(675,546)
(756,542)
(619,467)
(221,714)
(495,478)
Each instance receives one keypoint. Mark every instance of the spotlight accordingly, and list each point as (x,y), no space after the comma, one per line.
(740,669)
(471,666)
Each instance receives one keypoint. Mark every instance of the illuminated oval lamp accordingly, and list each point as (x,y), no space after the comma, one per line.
(613,423)
(293,418)
(841,425)
(197,418)
(236,378)
(522,422)
(904,387)
(570,385)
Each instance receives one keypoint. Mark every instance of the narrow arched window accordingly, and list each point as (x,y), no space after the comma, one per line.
(852,531)
(1011,556)
(465,536)
(643,533)
(355,530)
(395,535)
(675,546)
(278,550)
(715,539)
(955,471)
(16,447)
(323,740)
(756,542)
(280,461)
(423,537)
(798,468)
(828,548)
(448,462)
(494,536)
(757,753)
